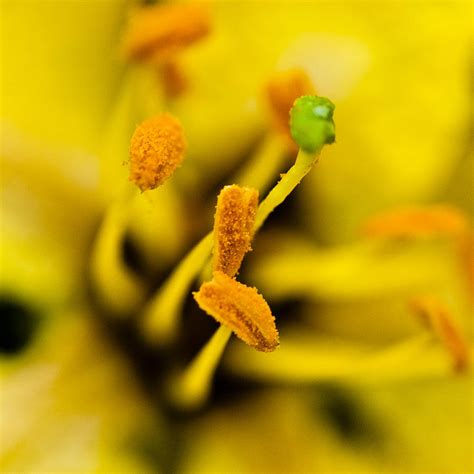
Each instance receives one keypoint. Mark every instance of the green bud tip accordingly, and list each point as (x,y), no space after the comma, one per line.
(311,122)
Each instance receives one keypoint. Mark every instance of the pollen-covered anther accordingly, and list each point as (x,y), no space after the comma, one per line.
(241,308)
(422,221)
(282,91)
(233,227)
(435,317)
(156,150)
(162,29)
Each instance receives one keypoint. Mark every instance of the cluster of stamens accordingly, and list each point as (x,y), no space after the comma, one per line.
(155,36)
(232,303)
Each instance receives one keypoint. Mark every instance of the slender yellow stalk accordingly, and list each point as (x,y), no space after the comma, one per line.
(118,290)
(160,318)
(190,389)
(264,165)
(157,225)
(306,360)
(303,164)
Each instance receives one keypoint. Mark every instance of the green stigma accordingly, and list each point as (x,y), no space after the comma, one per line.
(311,122)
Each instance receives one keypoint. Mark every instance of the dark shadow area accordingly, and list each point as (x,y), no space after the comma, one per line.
(18,325)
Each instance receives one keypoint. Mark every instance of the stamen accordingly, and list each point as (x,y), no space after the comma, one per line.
(160,319)
(241,308)
(156,150)
(437,318)
(161,30)
(417,222)
(233,227)
(282,91)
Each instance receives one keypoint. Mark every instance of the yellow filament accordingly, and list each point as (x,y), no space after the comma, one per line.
(160,318)
(118,289)
(191,388)
(265,165)
(412,358)
(288,182)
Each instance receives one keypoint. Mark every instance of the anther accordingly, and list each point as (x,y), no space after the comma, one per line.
(438,319)
(417,222)
(241,308)
(158,31)
(282,91)
(156,150)
(233,227)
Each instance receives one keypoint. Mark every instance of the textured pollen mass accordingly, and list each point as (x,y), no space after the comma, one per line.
(233,227)
(156,150)
(241,308)
(163,29)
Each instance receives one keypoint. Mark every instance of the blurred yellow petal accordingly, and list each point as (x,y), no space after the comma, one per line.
(67,406)
(55,86)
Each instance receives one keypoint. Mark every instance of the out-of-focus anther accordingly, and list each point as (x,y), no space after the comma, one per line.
(436,317)
(159,31)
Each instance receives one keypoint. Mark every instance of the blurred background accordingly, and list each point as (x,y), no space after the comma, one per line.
(359,383)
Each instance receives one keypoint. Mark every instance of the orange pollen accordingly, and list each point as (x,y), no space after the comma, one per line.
(417,222)
(282,91)
(241,308)
(164,28)
(156,150)
(233,227)
(438,319)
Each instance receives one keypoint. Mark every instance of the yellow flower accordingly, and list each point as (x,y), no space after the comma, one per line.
(104,353)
